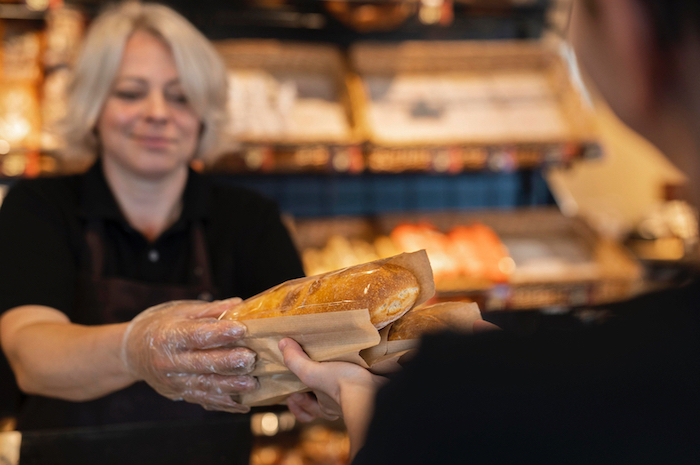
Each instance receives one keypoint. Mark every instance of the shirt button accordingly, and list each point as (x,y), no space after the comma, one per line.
(153,255)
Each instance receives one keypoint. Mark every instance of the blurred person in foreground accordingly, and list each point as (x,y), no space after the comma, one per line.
(84,255)
(625,391)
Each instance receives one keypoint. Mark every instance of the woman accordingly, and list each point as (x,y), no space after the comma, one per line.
(85,254)
(622,392)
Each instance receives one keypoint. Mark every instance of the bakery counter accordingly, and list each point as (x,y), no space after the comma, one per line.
(279,440)
(214,442)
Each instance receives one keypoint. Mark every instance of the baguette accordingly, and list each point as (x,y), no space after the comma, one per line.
(456,316)
(386,290)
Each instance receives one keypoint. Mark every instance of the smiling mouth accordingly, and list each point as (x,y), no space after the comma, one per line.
(154,141)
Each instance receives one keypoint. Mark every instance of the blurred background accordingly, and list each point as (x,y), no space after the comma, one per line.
(464,127)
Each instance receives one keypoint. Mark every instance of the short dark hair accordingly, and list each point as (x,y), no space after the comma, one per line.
(673,19)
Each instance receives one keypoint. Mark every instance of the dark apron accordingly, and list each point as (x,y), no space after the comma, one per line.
(103,300)
(116,300)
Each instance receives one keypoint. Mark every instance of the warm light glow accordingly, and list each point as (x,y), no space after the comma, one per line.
(37,5)
(269,424)
(287,421)
(506,265)
(4,147)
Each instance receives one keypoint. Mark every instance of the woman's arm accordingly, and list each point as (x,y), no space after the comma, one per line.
(179,348)
(53,357)
(341,389)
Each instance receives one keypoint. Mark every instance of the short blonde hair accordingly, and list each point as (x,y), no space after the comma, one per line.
(201,70)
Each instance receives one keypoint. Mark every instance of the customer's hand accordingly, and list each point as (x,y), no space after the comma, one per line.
(184,352)
(335,384)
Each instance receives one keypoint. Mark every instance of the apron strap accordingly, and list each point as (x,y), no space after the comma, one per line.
(200,257)
(202,263)
(94,242)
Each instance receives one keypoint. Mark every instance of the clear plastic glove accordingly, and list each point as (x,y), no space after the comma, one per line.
(184,352)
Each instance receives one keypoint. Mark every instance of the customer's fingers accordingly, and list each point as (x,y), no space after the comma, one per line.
(299,363)
(298,404)
(306,407)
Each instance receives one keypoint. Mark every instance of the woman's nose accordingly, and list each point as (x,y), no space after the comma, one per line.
(156,108)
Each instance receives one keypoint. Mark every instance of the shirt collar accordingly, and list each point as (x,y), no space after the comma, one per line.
(98,202)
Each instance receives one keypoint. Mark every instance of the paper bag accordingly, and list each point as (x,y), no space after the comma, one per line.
(335,336)
(387,356)
(326,336)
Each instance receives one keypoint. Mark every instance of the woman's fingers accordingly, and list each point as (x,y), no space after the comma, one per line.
(222,403)
(236,361)
(184,386)
(217,308)
(215,384)
(207,333)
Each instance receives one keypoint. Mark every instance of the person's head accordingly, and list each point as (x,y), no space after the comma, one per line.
(644,57)
(146,82)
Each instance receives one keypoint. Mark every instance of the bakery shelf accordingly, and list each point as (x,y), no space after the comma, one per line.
(278,158)
(358,158)
(29,164)
(559,261)
(20,11)
(287,93)
(513,97)
(513,82)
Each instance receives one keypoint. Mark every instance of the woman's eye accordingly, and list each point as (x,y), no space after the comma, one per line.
(128,94)
(177,98)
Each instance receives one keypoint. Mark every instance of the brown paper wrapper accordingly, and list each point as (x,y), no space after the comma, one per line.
(387,356)
(330,336)
(325,337)
(419,265)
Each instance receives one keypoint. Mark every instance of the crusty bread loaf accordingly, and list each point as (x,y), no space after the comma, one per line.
(456,316)
(387,290)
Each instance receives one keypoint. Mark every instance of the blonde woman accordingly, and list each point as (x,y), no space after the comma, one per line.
(83,256)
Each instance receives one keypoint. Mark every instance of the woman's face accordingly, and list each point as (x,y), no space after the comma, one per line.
(147,127)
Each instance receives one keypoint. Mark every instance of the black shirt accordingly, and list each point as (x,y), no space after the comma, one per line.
(42,240)
(627,391)
(43,252)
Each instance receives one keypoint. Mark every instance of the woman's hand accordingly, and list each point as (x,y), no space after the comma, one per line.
(341,389)
(185,353)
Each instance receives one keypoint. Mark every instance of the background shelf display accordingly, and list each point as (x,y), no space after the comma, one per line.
(515,99)
(558,261)
(357,158)
(273,79)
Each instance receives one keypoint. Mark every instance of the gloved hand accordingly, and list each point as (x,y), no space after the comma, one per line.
(184,352)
